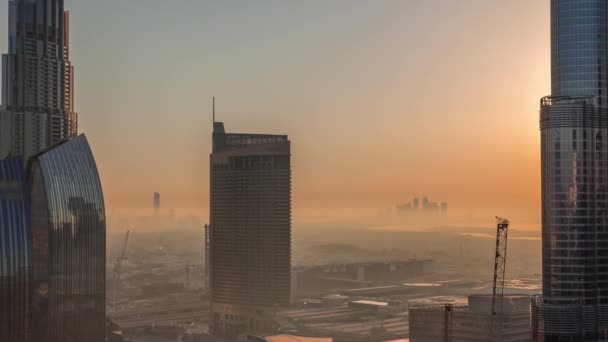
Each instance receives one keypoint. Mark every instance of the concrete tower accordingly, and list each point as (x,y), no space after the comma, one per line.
(37,78)
(250,230)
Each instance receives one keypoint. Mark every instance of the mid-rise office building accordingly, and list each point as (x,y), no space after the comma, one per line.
(68,245)
(250,230)
(15,251)
(574,162)
(37,78)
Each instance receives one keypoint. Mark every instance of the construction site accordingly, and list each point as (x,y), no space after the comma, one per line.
(469,319)
(482,317)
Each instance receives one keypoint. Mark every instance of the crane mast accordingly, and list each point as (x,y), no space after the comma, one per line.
(500,263)
(118,267)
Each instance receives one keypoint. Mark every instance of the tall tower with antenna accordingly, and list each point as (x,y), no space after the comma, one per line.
(249,229)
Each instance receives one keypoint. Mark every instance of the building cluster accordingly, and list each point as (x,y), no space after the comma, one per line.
(357,275)
(52,215)
(427,207)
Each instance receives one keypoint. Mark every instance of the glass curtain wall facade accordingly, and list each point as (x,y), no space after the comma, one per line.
(250,230)
(579,49)
(575,223)
(15,252)
(69,244)
(574,164)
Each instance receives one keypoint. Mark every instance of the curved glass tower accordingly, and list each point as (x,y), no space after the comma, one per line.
(574,161)
(69,245)
(15,251)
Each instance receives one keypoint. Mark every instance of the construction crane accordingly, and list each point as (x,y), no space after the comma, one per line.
(500,263)
(118,267)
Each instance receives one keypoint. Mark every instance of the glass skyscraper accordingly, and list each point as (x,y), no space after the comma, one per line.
(37,78)
(250,230)
(574,162)
(69,245)
(15,251)
(579,49)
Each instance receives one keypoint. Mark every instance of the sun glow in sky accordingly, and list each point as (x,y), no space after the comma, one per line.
(381,99)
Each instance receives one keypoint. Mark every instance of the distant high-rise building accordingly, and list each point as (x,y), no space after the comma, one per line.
(69,244)
(15,251)
(37,78)
(156,202)
(416,204)
(429,207)
(250,230)
(574,162)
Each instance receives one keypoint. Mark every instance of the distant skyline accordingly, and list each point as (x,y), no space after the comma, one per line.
(383,100)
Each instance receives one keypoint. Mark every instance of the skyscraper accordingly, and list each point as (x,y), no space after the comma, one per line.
(574,161)
(156,202)
(69,244)
(37,78)
(15,251)
(250,230)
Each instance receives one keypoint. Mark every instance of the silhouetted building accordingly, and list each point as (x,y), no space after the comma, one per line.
(412,209)
(250,229)
(574,161)
(405,209)
(444,208)
(156,202)
(429,207)
(15,251)
(37,78)
(69,244)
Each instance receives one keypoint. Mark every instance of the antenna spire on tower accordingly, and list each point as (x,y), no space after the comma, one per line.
(214,109)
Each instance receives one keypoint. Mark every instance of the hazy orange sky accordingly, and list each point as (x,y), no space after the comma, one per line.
(381,99)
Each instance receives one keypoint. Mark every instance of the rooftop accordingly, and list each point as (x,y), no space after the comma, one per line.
(292,338)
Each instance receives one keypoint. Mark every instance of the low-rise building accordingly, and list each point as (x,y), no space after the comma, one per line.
(468,320)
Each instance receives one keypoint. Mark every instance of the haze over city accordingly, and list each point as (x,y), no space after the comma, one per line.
(383,100)
(310,171)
